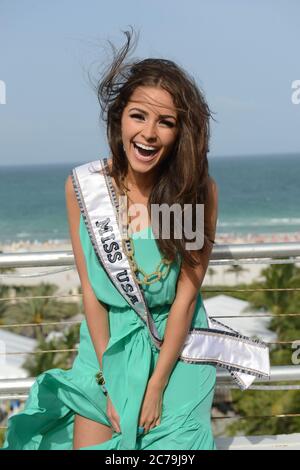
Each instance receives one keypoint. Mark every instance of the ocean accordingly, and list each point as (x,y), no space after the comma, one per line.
(257,195)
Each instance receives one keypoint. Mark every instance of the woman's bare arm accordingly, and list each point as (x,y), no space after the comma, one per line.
(96,313)
(183,307)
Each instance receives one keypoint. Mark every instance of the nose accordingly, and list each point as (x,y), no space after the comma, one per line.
(149,131)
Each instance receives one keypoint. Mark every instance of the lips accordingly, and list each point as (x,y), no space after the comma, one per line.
(144,154)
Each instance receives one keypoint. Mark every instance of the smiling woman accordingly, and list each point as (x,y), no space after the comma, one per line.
(158,132)
(147,135)
(141,295)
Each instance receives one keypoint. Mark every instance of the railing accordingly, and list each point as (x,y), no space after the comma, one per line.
(19,388)
(267,253)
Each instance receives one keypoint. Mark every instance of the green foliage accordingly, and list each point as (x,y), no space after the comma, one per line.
(3,308)
(38,310)
(261,404)
(236,269)
(2,434)
(37,363)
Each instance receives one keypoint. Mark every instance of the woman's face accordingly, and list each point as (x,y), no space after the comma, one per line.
(149,127)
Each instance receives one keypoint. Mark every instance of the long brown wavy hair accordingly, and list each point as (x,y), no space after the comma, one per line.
(184,174)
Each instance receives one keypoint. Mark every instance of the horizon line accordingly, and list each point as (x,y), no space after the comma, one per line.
(269,154)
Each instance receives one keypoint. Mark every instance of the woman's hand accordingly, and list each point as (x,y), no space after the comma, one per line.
(113,415)
(152,407)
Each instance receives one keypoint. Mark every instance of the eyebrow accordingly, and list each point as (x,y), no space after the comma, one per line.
(161,115)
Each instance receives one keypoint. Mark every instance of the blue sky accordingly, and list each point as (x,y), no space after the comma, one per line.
(244,55)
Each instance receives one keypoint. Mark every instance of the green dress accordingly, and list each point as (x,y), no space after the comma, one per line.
(57,395)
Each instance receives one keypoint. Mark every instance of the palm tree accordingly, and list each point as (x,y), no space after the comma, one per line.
(280,276)
(211,272)
(35,364)
(3,305)
(261,403)
(36,311)
(4,292)
(237,269)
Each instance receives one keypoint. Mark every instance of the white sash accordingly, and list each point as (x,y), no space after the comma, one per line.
(218,344)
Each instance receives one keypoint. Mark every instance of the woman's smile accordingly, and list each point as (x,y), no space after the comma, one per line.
(149,127)
(145,153)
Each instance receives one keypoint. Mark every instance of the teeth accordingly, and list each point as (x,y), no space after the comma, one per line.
(145,147)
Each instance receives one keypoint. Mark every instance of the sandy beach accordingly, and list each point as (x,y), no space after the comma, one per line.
(68,280)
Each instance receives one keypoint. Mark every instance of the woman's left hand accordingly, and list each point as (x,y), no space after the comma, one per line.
(151,408)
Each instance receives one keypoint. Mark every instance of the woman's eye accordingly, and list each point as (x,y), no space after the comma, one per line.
(137,116)
(168,123)
(142,117)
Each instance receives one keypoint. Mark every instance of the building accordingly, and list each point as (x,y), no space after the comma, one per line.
(11,365)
